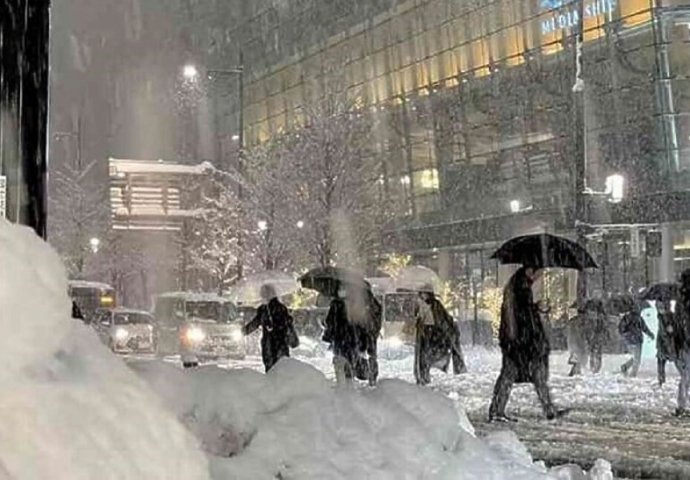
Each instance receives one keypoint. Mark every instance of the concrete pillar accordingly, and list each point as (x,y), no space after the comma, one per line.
(666,262)
(444,265)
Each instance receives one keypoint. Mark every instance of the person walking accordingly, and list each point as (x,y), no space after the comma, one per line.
(369,334)
(577,343)
(524,345)
(681,341)
(665,343)
(437,339)
(596,332)
(344,338)
(632,328)
(277,327)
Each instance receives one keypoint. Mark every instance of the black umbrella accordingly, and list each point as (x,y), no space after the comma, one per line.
(328,280)
(663,292)
(544,251)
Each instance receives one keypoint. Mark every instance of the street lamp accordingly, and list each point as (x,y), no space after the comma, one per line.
(190,72)
(515,206)
(300,224)
(94,243)
(263,225)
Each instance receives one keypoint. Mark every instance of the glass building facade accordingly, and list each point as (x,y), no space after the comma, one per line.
(477,119)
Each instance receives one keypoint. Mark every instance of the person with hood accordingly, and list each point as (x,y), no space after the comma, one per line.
(278,330)
(437,338)
(681,341)
(344,338)
(632,328)
(524,345)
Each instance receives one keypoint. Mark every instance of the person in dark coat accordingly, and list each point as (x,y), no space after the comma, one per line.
(632,328)
(596,332)
(665,344)
(76,312)
(524,345)
(437,338)
(369,333)
(276,326)
(681,341)
(344,338)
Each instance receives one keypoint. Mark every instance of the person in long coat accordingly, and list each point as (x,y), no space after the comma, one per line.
(665,343)
(344,338)
(276,325)
(524,345)
(369,333)
(437,338)
(596,332)
(681,341)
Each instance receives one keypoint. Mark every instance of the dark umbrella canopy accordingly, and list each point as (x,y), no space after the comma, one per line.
(544,251)
(663,292)
(328,280)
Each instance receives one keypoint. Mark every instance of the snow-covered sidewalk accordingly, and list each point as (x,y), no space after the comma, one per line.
(624,420)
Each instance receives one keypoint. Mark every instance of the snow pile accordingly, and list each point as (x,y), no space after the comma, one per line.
(69,409)
(293,424)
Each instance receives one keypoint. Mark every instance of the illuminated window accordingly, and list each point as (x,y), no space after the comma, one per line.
(426,180)
(635,12)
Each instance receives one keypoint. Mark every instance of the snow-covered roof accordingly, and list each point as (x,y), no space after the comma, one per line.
(195,297)
(88,284)
(122,166)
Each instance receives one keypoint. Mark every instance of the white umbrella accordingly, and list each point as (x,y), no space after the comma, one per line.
(248,290)
(417,277)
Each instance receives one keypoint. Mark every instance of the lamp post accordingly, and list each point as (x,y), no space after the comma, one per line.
(191,73)
(580,149)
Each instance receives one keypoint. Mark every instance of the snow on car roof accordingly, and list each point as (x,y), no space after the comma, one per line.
(129,310)
(195,297)
(88,284)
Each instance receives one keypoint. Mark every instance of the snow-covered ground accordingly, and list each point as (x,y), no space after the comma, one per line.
(624,420)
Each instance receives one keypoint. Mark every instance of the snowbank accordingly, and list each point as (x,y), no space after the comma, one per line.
(69,409)
(293,424)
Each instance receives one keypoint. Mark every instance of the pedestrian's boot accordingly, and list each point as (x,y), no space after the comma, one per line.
(495,417)
(682,413)
(555,414)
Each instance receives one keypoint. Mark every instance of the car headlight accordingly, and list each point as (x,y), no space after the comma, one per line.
(236,335)
(121,334)
(195,334)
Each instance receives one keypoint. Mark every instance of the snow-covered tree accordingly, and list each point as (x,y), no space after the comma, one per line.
(80,211)
(220,231)
(324,176)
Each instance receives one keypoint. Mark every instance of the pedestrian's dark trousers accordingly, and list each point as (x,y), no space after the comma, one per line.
(683,366)
(509,375)
(595,358)
(661,369)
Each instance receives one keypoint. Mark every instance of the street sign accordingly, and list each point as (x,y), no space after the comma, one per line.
(3,196)
(635,247)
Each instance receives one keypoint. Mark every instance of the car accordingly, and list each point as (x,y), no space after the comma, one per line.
(198,327)
(126,330)
(89,298)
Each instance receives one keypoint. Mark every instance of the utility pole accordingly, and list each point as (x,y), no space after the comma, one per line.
(580,149)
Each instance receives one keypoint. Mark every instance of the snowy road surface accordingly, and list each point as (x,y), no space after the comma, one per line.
(623,420)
